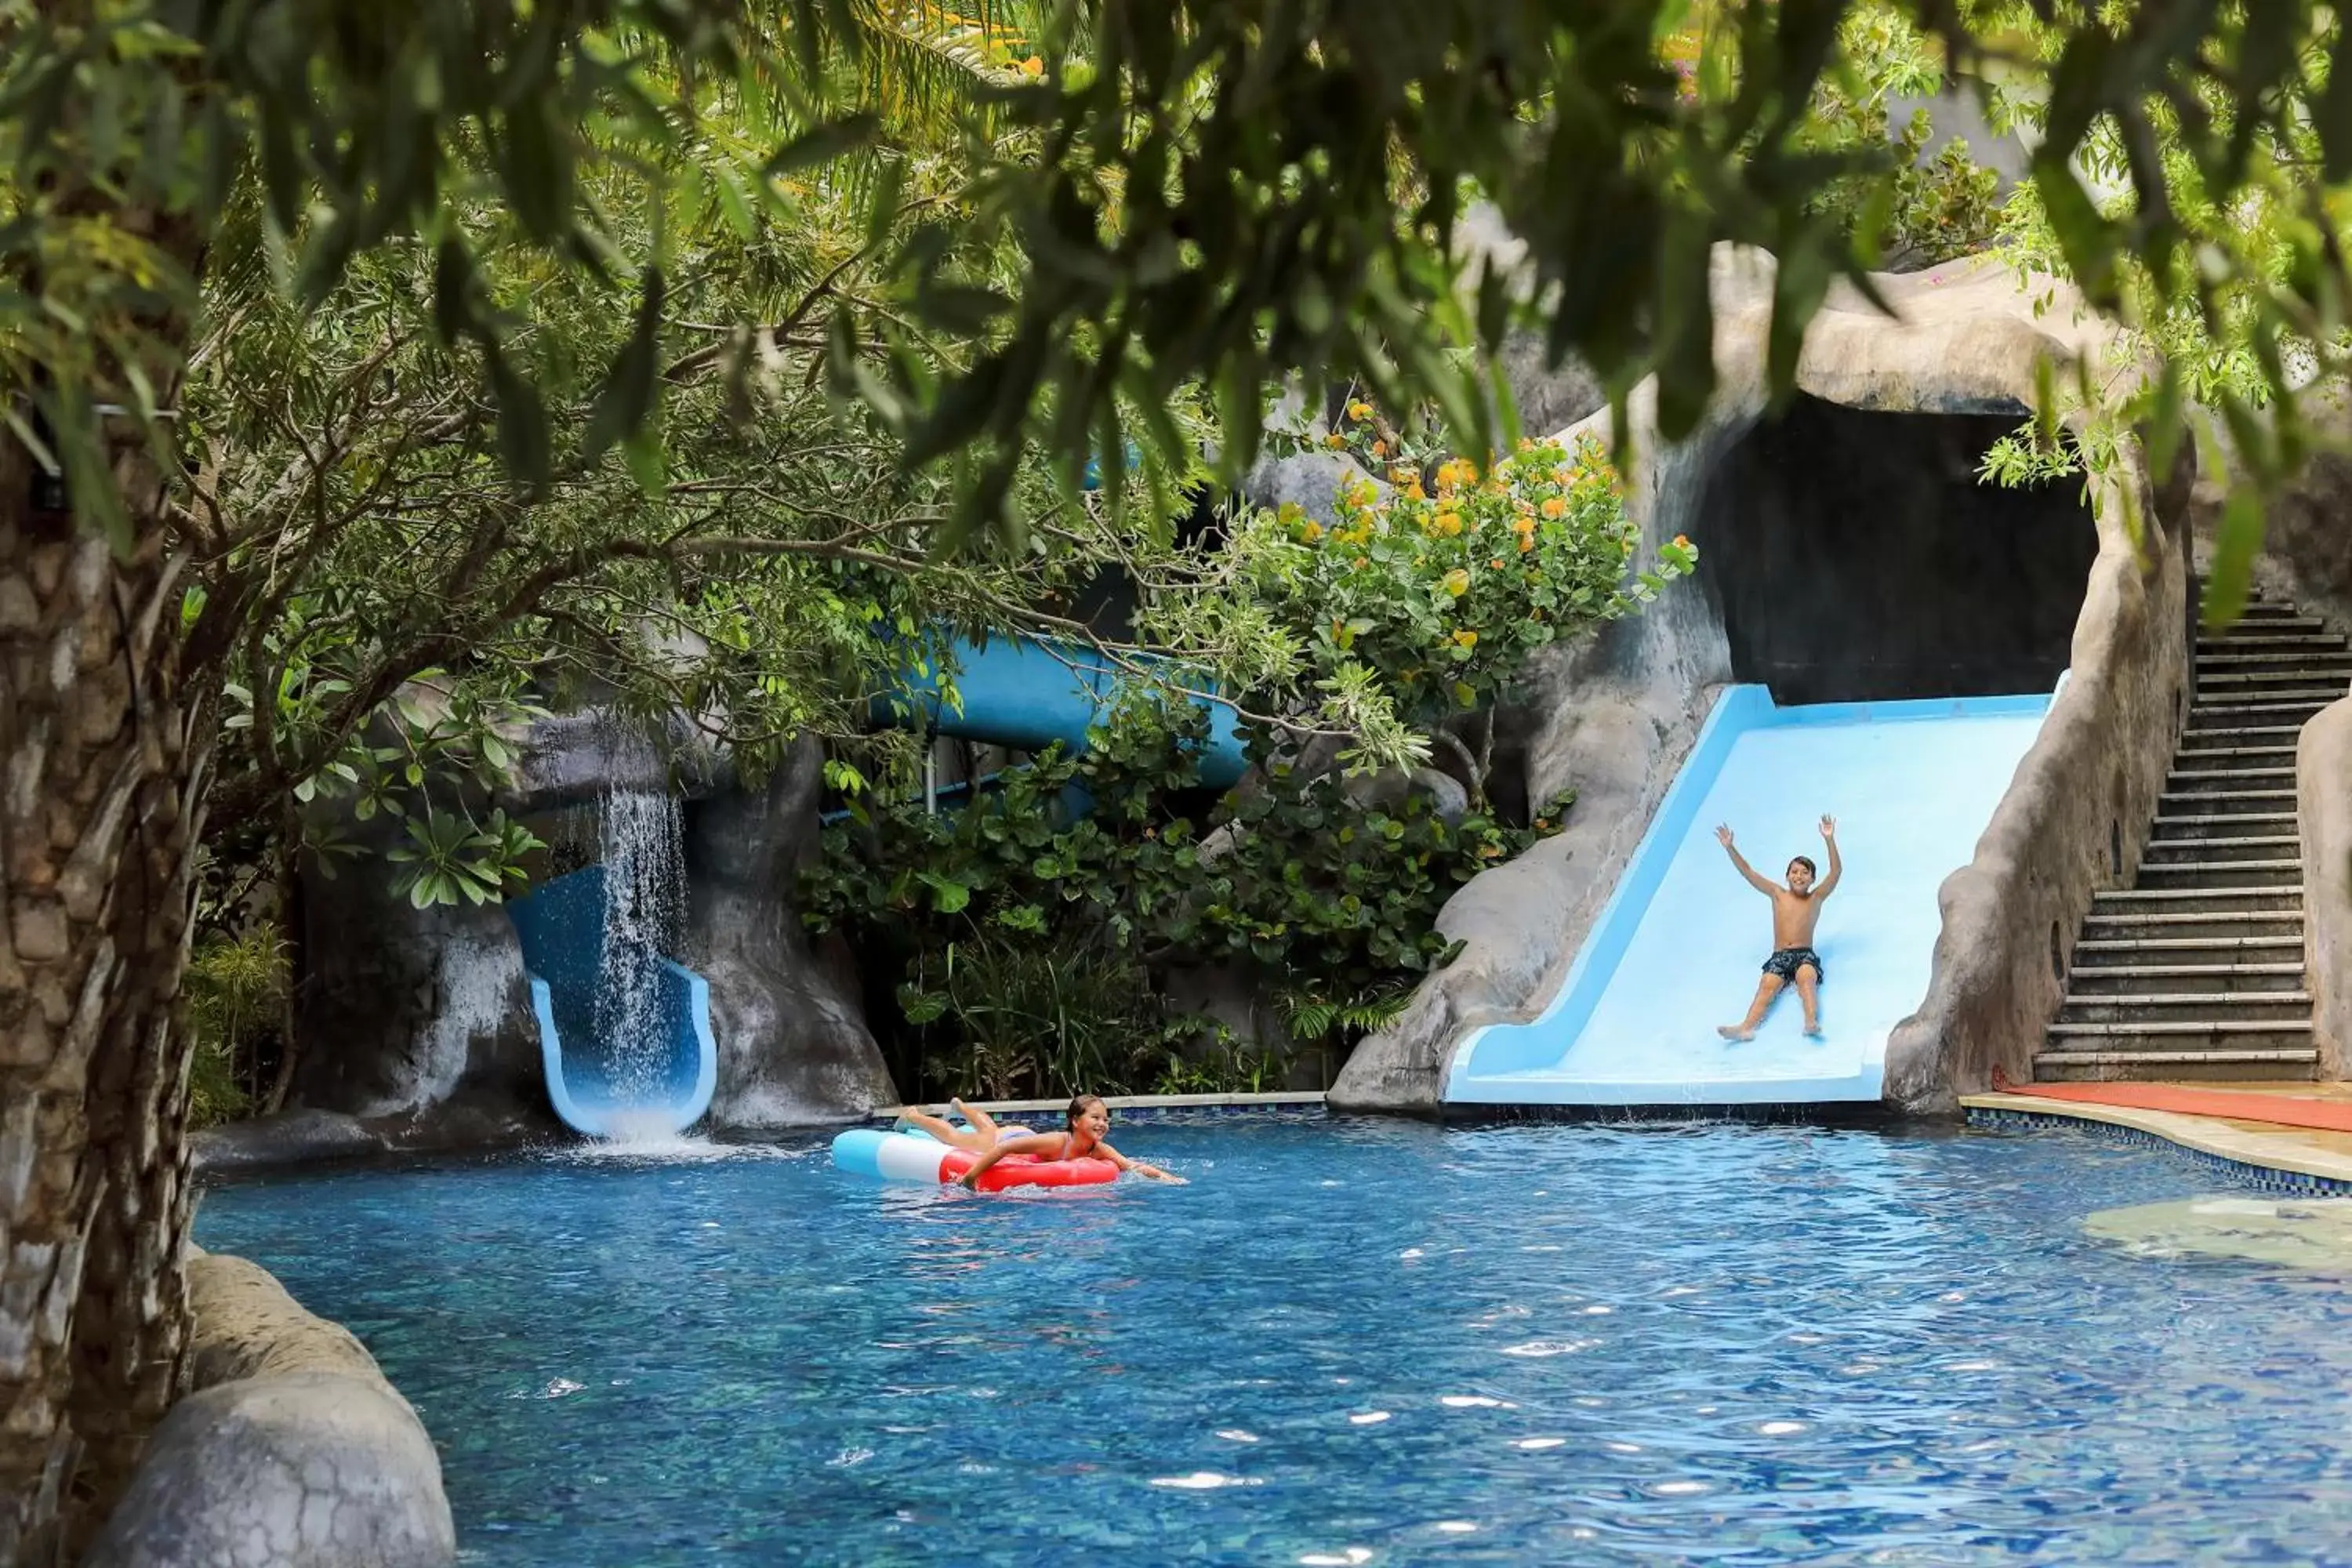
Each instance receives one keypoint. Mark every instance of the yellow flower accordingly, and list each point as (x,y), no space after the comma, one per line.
(1033,66)
(1335,441)
(1312,532)
(1415,492)
(1465,638)
(1457,582)
(1682,541)
(1555,507)
(1399,475)
(1449,523)
(1527,542)
(1496,564)
(1467,471)
(1289,513)
(1359,411)
(1380,448)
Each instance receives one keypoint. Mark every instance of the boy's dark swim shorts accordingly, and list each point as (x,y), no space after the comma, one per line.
(1789,960)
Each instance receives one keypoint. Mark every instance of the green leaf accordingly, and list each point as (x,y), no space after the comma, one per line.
(823,144)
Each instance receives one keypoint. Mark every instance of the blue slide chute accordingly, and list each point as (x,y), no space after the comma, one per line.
(1676,950)
(656,1085)
(1028,693)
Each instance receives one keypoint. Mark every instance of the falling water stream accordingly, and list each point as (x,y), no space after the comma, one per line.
(644,883)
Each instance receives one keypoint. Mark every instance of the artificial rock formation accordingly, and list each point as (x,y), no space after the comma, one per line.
(1614,716)
(405,1011)
(2322,773)
(793,1049)
(291,1449)
(418,1023)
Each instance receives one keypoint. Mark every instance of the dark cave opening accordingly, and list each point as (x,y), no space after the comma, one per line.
(1855,556)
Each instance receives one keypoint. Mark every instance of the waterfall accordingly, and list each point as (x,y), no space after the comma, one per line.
(644,884)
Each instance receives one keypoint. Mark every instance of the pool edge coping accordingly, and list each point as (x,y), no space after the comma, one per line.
(2239,1146)
(1276,1098)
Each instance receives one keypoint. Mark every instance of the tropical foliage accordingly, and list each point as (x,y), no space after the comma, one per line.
(1034,926)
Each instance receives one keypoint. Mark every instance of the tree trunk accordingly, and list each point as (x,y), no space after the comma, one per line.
(97,790)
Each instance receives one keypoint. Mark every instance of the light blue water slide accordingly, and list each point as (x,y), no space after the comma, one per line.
(600,1086)
(1677,949)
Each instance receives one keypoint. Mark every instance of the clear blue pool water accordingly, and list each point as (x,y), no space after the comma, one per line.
(1346,1342)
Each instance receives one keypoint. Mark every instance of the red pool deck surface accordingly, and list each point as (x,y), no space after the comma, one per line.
(2299,1127)
(2284,1107)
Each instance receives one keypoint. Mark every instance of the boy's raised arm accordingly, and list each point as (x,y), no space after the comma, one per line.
(1837,864)
(1723,836)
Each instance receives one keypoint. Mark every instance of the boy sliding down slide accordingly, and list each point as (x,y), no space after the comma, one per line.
(1795,910)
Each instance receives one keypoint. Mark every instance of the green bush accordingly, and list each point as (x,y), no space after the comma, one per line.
(1029,933)
(236,993)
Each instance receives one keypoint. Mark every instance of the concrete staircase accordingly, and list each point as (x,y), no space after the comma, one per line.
(2196,972)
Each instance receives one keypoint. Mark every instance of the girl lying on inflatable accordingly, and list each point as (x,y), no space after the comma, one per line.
(1084,1124)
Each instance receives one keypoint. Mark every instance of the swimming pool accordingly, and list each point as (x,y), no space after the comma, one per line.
(1346,1342)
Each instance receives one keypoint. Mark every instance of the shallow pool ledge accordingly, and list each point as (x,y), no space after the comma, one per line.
(2320,1160)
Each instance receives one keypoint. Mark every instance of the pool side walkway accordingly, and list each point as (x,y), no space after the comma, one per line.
(2321,1153)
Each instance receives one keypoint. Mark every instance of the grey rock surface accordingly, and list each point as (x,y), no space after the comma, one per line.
(793,1048)
(1312,480)
(2323,779)
(406,1011)
(289,1138)
(1389,789)
(291,1451)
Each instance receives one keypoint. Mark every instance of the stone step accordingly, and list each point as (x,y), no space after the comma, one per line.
(2218,1007)
(2282,685)
(2226,802)
(2221,874)
(2203,742)
(2286,896)
(2190,827)
(2240,757)
(2237,706)
(2226,781)
(2204,979)
(2221,1066)
(2268,639)
(2132,926)
(2093,952)
(2258,609)
(2172,854)
(2319,653)
(2186,1034)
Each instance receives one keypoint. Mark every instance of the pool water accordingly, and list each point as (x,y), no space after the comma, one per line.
(1346,1342)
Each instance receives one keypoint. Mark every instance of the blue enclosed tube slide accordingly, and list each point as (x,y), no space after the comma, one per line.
(1028,693)
(1678,948)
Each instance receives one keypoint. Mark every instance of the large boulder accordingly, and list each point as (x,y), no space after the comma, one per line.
(793,1048)
(1615,715)
(291,1451)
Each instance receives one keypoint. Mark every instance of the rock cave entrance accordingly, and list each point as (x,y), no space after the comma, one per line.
(1854,557)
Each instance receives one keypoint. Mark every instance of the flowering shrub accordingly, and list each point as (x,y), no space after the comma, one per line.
(1443,588)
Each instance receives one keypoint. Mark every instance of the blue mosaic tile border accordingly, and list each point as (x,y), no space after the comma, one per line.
(2259,1178)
